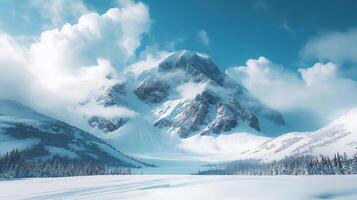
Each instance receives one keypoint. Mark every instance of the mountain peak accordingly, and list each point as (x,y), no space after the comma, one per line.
(195,65)
(186,55)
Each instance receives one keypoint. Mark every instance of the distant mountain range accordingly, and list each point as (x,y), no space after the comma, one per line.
(185,105)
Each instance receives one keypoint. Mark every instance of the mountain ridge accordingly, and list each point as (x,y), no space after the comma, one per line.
(42,137)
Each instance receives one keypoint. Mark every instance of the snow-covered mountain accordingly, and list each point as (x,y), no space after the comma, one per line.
(185,94)
(338,136)
(185,104)
(42,137)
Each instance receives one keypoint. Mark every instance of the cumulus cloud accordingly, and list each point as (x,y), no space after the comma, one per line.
(318,89)
(335,46)
(318,74)
(203,36)
(66,65)
(76,59)
(114,36)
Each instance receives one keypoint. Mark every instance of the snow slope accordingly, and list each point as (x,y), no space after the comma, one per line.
(42,137)
(338,136)
(223,147)
(188,187)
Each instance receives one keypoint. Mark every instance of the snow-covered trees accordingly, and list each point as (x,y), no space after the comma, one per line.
(292,165)
(13,165)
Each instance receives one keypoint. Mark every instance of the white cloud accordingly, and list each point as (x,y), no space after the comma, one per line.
(319,73)
(66,65)
(148,59)
(58,11)
(84,53)
(30,17)
(203,36)
(320,90)
(334,46)
(92,109)
(190,90)
(114,36)
(13,74)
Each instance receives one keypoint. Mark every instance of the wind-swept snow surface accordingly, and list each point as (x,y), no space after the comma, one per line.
(183,187)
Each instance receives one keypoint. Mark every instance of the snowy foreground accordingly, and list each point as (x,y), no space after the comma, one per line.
(186,187)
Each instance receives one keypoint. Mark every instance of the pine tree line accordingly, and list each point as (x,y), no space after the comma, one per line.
(292,165)
(13,165)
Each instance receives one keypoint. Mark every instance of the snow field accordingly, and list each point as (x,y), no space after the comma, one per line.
(172,187)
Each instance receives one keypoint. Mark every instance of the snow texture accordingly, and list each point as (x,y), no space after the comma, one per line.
(183,187)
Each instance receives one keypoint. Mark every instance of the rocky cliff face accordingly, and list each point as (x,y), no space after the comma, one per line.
(152,90)
(207,114)
(116,95)
(105,124)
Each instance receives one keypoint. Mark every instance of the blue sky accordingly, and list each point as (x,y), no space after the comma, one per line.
(237,30)
(295,56)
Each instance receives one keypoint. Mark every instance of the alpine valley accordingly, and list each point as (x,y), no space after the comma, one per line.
(182,107)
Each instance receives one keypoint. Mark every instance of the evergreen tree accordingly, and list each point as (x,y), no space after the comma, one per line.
(13,165)
(293,165)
